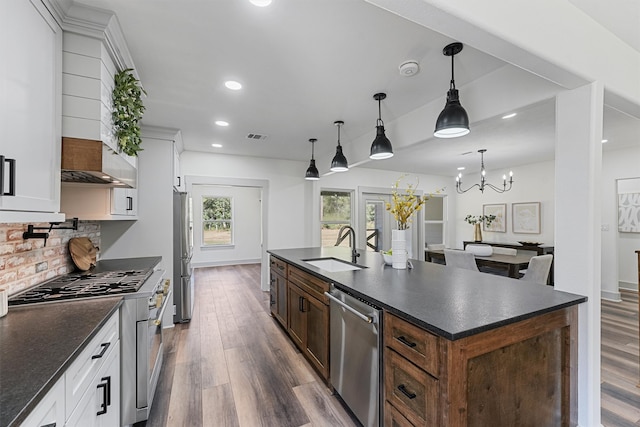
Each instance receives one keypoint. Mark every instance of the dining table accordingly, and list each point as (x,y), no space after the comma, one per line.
(509,263)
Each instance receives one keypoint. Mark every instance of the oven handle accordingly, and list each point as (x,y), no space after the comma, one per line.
(158,320)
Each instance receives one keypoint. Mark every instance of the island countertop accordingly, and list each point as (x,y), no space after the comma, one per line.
(450,302)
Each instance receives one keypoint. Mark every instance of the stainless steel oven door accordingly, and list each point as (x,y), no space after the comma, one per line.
(150,353)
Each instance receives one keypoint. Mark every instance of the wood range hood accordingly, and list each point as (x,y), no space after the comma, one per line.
(93,162)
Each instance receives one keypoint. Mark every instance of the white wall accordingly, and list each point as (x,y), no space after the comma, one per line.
(531,183)
(618,249)
(286,209)
(246,232)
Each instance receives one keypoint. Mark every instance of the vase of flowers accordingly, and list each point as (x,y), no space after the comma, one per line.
(476,220)
(403,205)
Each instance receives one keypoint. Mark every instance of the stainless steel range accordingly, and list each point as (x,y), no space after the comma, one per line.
(145,296)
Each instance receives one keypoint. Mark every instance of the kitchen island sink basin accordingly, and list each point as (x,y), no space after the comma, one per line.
(333,264)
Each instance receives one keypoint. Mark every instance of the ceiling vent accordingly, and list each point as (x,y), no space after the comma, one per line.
(256,137)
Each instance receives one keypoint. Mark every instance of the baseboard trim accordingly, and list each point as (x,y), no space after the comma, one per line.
(611,296)
(205,264)
(628,285)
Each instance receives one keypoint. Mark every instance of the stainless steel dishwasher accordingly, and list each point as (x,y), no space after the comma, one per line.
(356,346)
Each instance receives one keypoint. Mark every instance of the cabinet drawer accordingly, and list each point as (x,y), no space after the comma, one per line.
(315,286)
(393,417)
(79,376)
(411,390)
(417,345)
(50,410)
(278,266)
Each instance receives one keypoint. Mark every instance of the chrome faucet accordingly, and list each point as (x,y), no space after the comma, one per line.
(352,241)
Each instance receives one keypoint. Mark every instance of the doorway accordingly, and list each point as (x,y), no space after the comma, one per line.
(376,222)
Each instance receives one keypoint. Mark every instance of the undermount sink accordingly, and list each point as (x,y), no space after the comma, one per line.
(332,264)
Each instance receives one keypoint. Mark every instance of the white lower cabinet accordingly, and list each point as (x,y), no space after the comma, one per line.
(88,393)
(50,410)
(100,405)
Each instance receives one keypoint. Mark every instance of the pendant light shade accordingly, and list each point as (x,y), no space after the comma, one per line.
(453,121)
(312,171)
(339,162)
(381,147)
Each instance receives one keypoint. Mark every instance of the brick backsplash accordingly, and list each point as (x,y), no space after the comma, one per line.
(24,263)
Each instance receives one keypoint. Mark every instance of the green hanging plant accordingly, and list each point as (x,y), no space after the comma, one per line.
(127,111)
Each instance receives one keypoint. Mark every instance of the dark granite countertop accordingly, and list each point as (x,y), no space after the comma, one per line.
(450,302)
(38,342)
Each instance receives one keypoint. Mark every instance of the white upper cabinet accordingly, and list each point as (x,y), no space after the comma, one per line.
(30,112)
(178,180)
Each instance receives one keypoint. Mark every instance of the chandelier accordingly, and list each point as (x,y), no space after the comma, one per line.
(483,181)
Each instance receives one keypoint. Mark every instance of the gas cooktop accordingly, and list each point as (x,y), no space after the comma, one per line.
(83,285)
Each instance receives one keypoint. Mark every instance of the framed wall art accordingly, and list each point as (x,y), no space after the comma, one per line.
(526,217)
(500,223)
(629,212)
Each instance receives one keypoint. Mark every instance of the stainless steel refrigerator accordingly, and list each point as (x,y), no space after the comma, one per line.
(182,251)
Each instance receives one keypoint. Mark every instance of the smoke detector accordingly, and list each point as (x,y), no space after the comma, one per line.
(409,68)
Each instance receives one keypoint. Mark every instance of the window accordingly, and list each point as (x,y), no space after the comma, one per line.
(217,221)
(434,220)
(335,213)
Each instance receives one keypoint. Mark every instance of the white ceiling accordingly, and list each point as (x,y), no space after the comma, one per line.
(306,63)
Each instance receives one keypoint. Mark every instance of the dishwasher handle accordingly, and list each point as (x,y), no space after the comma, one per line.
(347,307)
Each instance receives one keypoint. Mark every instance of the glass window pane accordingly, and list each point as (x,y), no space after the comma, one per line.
(216,233)
(216,208)
(329,235)
(433,209)
(336,206)
(433,233)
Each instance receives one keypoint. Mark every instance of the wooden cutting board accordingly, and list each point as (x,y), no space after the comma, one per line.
(83,252)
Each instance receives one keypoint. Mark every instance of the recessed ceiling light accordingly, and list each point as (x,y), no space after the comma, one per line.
(461,168)
(605,141)
(260,3)
(216,145)
(222,123)
(233,85)
(508,116)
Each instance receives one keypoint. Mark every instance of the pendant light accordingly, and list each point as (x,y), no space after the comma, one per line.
(453,120)
(312,171)
(339,162)
(381,146)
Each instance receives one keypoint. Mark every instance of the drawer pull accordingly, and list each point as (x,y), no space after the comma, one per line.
(407,393)
(281,267)
(105,346)
(406,342)
(49,425)
(106,395)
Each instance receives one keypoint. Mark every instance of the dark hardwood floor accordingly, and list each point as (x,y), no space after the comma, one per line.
(232,365)
(620,372)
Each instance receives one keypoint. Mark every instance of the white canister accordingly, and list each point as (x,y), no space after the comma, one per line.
(4,301)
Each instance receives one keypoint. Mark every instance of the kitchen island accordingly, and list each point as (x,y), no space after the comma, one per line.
(462,348)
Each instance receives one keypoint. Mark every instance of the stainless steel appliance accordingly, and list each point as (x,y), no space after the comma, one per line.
(142,347)
(356,346)
(146,295)
(182,252)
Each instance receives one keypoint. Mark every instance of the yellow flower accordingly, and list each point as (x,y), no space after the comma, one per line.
(405,204)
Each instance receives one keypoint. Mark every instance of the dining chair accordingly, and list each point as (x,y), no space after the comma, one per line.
(505,251)
(538,270)
(460,259)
